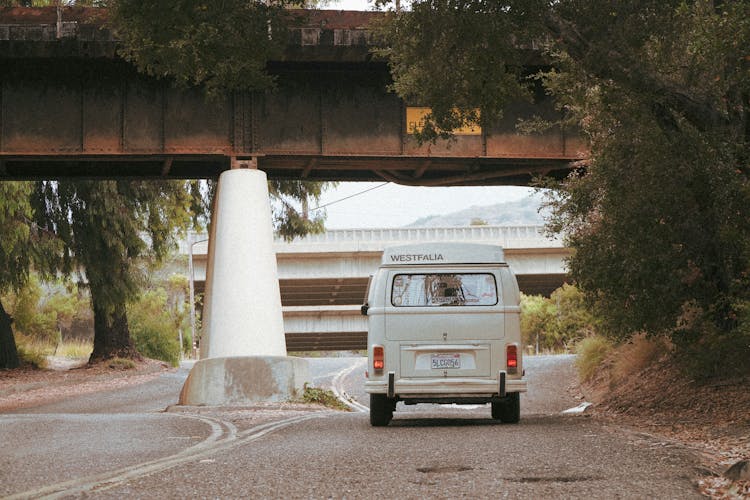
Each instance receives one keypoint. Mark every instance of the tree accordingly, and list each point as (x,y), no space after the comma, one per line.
(22,246)
(220,46)
(15,258)
(108,227)
(111,228)
(661,90)
(291,207)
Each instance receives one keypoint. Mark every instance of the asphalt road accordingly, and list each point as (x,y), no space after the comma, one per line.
(122,443)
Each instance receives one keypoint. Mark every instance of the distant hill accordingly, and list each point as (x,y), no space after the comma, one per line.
(510,213)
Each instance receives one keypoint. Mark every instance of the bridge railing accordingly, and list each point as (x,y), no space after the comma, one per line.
(531,236)
(362,240)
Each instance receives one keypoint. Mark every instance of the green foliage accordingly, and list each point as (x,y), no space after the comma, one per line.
(556,323)
(537,315)
(45,313)
(659,221)
(15,251)
(323,397)
(591,352)
(661,89)
(66,305)
(707,351)
(173,290)
(290,203)
(27,318)
(22,246)
(32,354)
(223,46)
(460,58)
(33,351)
(51,3)
(153,329)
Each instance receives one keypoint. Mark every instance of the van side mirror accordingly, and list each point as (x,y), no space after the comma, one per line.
(364,309)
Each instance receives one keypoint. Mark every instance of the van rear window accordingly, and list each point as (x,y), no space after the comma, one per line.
(426,290)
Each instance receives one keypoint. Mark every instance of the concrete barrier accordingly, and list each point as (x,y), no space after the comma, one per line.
(245,379)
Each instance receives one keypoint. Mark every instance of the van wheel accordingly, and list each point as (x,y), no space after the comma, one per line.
(381,410)
(509,409)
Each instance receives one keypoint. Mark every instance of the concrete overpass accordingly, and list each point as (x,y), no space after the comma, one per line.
(323,278)
(70,107)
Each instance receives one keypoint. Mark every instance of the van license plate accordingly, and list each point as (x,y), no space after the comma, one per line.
(441,361)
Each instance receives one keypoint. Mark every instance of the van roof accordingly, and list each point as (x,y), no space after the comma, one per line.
(443,253)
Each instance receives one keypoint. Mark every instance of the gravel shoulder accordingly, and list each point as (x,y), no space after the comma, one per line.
(26,387)
(712,417)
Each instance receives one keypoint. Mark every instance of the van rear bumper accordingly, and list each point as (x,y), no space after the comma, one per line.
(449,388)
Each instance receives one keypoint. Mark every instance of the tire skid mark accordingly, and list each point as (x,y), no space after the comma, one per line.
(223,436)
(339,392)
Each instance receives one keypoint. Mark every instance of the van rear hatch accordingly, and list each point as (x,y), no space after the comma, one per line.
(445,321)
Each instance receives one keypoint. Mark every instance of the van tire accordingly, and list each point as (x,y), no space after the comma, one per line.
(381,410)
(509,409)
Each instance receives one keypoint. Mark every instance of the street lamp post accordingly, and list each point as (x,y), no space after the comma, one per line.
(191,281)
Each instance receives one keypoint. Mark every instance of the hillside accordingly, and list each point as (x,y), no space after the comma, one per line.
(510,213)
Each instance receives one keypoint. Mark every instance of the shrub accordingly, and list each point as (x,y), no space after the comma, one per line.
(591,352)
(28,318)
(537,316)
(556,323)
(636,354)
(323,397)
(704,350)
(32,352)
(47,313)
(152,328)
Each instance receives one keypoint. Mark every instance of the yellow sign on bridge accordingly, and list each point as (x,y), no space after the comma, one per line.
(415,122)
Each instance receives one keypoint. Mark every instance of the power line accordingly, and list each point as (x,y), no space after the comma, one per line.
(350,196)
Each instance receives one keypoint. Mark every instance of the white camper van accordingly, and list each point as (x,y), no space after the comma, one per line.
(444,327)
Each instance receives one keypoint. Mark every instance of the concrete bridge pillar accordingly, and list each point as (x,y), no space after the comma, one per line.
(243,350)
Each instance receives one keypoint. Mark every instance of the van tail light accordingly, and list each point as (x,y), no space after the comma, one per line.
(378,358)
(511,357)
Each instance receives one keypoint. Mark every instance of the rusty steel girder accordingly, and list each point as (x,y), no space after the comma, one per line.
(66,114)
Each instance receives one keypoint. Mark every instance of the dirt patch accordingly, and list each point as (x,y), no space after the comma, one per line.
(26,386)
(712,418)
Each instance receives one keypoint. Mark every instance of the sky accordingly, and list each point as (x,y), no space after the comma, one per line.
(360,205)
(348,5)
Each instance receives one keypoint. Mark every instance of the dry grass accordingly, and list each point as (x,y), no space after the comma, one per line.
(32,352)
(636,355)
(121,364)
(591,353)
(75,349)
(641,384)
